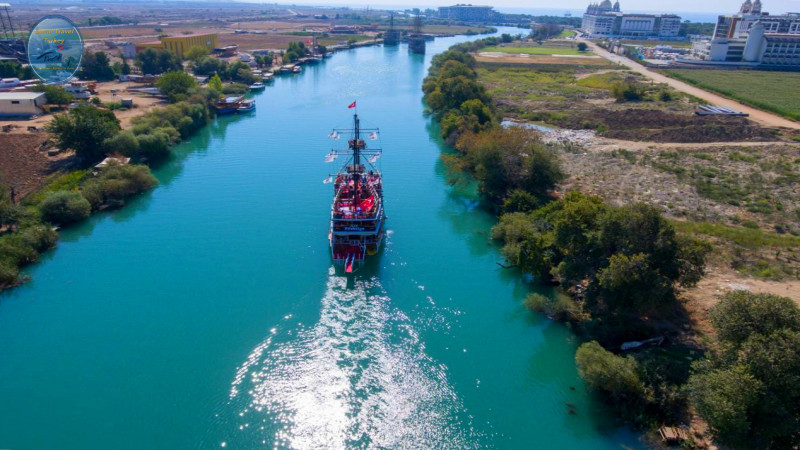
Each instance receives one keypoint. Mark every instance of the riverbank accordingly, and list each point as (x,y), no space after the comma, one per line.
(627,298)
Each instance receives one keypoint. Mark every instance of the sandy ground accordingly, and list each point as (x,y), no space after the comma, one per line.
(141,102)
(718,281)
(762,117)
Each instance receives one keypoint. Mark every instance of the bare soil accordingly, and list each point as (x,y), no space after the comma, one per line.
(23,163)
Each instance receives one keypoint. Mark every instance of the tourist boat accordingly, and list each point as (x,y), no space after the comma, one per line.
(267,77)
(228,105)
(357,216)
(246,106)
(257,86)
(288,68)
(297,69)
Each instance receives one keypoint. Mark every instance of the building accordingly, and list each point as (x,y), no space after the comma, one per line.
(178,45)
(603,20)
(21,104)
(755,37)
(467,13)
(737,26)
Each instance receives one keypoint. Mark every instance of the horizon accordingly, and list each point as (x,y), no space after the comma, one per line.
(710,7)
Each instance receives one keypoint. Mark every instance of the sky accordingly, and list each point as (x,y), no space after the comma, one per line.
(714,6)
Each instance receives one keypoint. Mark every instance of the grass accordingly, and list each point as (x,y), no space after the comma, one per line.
(536,51)
(746,237)
(567,33)
(770,91)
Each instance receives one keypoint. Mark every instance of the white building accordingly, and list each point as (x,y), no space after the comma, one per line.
(607,20)
(16,104)
(755,37)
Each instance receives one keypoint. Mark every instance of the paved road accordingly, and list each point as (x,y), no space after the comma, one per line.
(757,115)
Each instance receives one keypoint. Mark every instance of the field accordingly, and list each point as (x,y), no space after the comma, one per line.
(574,62)
(536,51)
(777,92)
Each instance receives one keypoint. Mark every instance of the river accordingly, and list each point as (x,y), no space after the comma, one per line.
(205,313)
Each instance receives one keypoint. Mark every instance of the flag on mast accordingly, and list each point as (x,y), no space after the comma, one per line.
(352,105)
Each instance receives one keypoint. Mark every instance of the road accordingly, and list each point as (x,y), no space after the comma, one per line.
(757,115)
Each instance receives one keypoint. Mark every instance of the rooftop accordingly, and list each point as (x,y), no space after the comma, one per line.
(21,95)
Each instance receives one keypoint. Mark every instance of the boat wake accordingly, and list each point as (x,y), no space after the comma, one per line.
(358,378)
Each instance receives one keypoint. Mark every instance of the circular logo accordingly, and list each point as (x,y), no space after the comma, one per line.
(55,49)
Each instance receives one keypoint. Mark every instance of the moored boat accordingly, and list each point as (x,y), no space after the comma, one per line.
(357,216)
(246,106)
(257,86)
(228,105)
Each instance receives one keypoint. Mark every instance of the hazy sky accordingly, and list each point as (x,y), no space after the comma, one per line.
(716,6)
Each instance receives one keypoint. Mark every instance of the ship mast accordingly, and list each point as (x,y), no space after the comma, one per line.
(356,157)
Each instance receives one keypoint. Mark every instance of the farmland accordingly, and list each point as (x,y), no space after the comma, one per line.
(777,92)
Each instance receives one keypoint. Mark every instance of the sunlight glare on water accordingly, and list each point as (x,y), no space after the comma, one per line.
(359,377)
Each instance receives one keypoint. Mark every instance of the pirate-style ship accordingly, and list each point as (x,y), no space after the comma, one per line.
(357,216)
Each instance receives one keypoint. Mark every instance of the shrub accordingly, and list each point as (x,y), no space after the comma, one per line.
(116,183)
(613,376)
(64,207)
(8,273)
(582,47)
(234,88)
(124,143)
(154,145)
(558,306)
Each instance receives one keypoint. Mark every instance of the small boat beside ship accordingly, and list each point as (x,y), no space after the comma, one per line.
(246,106)
(357,216)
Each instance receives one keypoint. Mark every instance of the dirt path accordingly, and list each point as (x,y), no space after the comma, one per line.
(762,117)
(600,143)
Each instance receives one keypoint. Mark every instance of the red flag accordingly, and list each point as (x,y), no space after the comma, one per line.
(352,105)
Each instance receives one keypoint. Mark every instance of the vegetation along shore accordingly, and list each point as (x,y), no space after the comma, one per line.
(632,266)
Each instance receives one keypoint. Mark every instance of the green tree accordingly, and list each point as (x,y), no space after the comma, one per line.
(742,314)
(85,130)
(175,85)
(64,207)
(124,143)
(215,83)
(155,61)
(613,375)
(582,47)
(95,66)
(56,95)
(748,390)
(630,283)
(197,52)
(211,66)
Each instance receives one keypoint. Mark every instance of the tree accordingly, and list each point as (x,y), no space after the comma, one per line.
(85,130)
(742,314)
(197,52)
(582,47)
(614,376)
(64,207)
(56,95)
(155,61)
(724,398)
(630,283)
(210,66)
(215,83)
(175,85)
(748,390)
(94,66)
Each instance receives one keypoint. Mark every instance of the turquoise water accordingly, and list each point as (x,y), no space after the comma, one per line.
(205,313)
